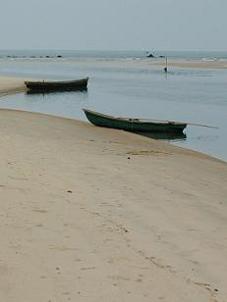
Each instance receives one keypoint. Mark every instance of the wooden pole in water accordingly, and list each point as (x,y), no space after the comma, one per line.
(166,69)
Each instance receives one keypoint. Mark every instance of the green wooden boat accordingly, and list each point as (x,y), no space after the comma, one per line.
(51,86)
(134,124)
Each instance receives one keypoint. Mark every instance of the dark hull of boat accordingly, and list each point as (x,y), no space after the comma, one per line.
(42,86)
(134,125)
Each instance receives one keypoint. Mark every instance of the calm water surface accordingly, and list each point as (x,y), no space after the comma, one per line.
(191,95)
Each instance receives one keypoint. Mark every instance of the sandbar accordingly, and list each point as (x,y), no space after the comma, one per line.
(93,214)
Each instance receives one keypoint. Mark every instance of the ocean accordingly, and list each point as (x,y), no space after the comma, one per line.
(125,83)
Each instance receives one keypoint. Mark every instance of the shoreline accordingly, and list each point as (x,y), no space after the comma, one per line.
(85,123)
(96,214)
(12,85)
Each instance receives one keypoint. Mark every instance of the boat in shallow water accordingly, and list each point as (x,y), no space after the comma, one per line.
(134,124)
(50,86)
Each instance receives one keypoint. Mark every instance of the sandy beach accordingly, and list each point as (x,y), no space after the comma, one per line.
(94,214)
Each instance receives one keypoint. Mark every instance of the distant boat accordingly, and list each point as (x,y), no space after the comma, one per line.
(150,55)
(50,86)
(134,124)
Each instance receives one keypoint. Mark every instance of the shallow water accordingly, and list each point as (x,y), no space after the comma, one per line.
(191,95)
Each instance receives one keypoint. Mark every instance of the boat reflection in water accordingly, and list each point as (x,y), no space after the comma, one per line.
(164,136)
(84,90)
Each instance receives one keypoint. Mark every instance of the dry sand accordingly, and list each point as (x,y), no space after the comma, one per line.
(10,85)
(93,214)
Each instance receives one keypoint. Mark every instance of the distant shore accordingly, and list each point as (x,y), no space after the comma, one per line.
(156,62)
(194,63)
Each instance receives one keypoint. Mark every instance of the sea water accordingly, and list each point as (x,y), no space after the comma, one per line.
(125,84)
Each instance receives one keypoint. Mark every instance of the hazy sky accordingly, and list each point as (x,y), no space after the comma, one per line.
(114,24)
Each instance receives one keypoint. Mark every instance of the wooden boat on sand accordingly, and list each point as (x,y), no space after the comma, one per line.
(50,86)
(134,124)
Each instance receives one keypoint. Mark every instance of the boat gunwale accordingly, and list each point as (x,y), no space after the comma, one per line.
(135,120)
(65,82)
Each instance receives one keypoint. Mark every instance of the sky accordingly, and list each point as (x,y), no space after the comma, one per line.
(113,24)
